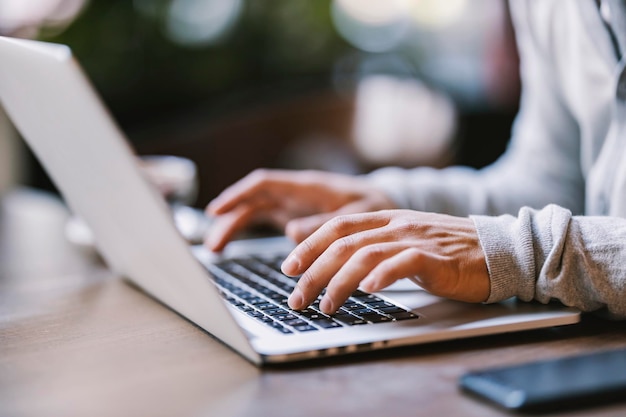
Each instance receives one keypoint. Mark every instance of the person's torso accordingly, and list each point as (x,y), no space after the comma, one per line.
(592,81)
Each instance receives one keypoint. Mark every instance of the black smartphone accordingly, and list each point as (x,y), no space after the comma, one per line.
(555,384)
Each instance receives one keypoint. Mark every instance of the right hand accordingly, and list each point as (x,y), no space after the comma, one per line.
(297,201)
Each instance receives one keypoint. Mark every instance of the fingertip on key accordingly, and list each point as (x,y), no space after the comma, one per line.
(296,300)
(291,266)
(327,306)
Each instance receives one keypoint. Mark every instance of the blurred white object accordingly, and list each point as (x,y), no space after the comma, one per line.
(176,179)
(402,122)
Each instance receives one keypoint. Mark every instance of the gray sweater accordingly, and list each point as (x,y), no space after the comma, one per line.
(551,212)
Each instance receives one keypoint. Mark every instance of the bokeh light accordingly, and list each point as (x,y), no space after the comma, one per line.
(380,26)
(372,25)
(437,14)
(402,121)
(196,23)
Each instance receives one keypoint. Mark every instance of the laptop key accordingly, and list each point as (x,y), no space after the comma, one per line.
(375,317)
(362,311)
(404,316)
(352,305)
(277,326)
(349,319)
(295,323)
(305,328)
(311,314)
(255,314)
(326,323)
(284,317)
(380,304)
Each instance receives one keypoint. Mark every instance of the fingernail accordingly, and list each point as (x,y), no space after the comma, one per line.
(290,266)
(327,306)
(296,300)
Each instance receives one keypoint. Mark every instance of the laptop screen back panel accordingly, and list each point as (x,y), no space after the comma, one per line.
(59,115)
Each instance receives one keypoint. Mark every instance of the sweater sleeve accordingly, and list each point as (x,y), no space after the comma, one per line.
(542,162)
(551,254)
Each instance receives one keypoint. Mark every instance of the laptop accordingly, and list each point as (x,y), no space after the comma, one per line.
(239,297)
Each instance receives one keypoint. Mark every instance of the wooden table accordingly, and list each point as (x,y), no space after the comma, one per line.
(76,340)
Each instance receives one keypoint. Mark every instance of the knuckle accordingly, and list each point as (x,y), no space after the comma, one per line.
(342,246)
(307,246)
(414,255)
(407,228)
(259,175)
(369,253)
(339,223)
(307,282)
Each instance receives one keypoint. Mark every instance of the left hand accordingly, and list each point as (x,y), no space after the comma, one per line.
(373,250)
(297,201)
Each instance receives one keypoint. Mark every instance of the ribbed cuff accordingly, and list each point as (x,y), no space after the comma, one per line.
(508,246)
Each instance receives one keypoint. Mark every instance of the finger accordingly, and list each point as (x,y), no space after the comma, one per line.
(301,228)
(347,280)
(303,256)
(224,227)
(258,183)
(406,263)
(326,266)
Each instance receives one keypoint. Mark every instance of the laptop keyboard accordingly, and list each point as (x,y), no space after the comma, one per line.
(256,286)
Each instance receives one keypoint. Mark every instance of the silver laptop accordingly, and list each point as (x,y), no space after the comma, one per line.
(238,297)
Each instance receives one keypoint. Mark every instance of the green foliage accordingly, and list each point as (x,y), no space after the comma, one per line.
(125,49)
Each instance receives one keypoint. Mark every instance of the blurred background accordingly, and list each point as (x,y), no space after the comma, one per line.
(340,85)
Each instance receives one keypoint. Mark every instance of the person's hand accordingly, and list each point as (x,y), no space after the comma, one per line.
(373,250)
(298,201)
